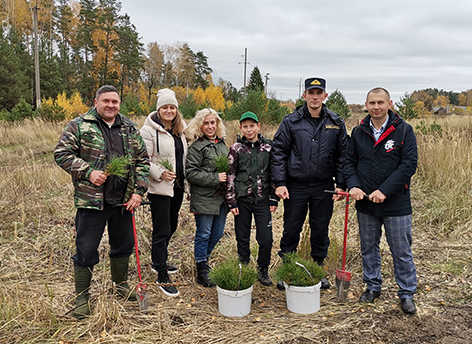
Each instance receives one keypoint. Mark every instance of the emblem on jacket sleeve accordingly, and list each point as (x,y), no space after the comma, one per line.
(389,145)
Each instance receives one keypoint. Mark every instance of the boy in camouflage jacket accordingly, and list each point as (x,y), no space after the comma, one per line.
(249,191)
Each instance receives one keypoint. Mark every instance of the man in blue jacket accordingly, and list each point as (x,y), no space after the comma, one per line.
(306,159)
(381,158)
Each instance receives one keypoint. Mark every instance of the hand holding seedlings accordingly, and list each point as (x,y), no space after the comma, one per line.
(97,178)
(222,166)
(118,166)
(169,174)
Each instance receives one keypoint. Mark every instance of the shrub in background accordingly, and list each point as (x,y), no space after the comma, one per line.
(337,102)
(4,114)
(21,111)
(130,105)
(62,107)
(269,111)
(52,112)
(188,107)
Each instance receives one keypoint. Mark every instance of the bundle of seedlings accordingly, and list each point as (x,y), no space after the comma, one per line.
(222,163)
(232,275)
(299,274)
(118,166)
(167,164)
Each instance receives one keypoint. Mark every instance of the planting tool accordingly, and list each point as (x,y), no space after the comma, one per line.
(141,288)
(343,277)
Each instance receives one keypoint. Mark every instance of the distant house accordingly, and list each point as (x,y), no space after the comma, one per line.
(439,110)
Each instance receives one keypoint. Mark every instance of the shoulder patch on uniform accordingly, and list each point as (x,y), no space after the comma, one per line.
(331,126)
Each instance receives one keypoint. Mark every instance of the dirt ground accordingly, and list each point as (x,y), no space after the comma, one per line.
(46,291)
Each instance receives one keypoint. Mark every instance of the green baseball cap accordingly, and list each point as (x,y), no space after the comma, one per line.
(249,115)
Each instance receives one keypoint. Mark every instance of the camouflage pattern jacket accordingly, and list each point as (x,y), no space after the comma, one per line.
(81,149)
(250,170)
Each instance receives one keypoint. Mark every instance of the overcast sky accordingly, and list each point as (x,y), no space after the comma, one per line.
(355,45)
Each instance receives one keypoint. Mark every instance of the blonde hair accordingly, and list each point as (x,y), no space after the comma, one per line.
(194,129)
(178,123)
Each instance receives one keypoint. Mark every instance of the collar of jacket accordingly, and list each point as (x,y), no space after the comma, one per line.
(204,141)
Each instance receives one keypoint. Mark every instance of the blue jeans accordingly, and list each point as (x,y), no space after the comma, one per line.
(399,238)
(210,229)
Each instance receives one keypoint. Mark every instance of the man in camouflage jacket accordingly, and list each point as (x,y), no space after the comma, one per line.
(85,148)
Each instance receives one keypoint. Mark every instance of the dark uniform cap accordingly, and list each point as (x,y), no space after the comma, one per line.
(311,83)
(249,115)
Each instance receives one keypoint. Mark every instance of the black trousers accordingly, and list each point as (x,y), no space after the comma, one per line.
(242,222)
(90,225)
(320,203)
(165,218)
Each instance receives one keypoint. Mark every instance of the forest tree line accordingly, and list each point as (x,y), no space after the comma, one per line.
(87,43)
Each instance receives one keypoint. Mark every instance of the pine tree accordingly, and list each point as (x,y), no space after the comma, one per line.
(15,69)
(337,102)
(406,107)
(255,81)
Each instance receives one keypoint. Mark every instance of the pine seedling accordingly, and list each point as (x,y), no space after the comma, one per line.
(166,164)
(118,166)
(222,163)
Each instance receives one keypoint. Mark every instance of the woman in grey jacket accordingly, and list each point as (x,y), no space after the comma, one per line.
(207,202)
(163,133)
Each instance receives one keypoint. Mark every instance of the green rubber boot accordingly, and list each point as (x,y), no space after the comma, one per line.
(83,277)
(119,275)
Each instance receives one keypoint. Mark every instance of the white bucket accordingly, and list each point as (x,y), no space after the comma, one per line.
(303,300)
(234,303)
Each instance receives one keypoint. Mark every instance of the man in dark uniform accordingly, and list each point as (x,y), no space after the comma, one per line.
(306,159)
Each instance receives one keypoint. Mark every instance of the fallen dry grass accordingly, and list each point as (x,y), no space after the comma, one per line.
(37,241)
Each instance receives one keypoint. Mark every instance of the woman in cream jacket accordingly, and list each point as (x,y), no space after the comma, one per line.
(163,133)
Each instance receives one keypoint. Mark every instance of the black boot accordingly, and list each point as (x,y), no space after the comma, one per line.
(263,276)
(165,284)
(119,275)
(202,275)
(324,281)
(83,277)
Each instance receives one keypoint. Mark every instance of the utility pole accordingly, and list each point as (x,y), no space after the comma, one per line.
(300,88)
(265,88)
(36,56)
(245,64)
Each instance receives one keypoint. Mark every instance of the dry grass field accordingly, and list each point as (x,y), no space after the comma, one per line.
(37,241)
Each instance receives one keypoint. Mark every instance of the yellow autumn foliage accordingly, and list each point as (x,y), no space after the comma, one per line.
(73,106)
(180,93)
(199,96)
(214,97)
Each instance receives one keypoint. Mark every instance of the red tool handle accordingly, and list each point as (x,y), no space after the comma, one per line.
(345,228)
(136,243)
